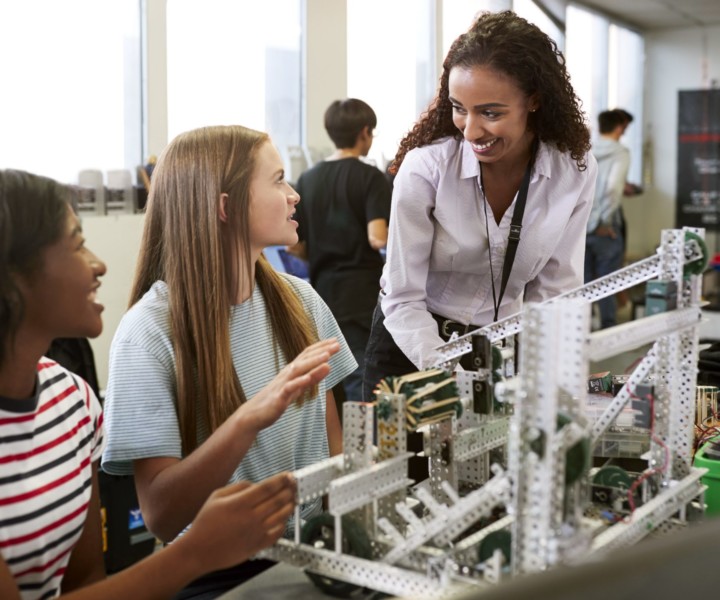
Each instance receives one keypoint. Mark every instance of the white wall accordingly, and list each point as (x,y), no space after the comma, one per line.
(677,59)
(674,61)
(326,65)
(325,74)
(116,240)
(155,73)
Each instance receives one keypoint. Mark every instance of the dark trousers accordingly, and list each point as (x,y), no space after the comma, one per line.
(603,255)
(383,358)
(356,334)
(215,584)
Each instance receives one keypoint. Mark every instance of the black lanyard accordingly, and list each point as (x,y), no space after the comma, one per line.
(515,228)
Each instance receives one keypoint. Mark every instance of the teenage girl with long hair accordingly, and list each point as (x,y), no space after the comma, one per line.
(219,370)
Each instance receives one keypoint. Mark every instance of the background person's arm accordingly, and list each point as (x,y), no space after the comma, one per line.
(377,201)
(377,233)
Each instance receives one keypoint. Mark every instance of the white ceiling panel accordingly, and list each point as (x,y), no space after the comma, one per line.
(649,15)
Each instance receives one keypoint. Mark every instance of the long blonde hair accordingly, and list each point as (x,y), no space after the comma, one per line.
(185,246)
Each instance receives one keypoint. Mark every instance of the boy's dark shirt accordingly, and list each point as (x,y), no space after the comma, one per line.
(338,200)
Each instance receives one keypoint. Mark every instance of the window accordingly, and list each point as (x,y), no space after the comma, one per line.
(529,10)
(231,62)
(606,63)
(391,68)
(587,60)
(458,15)
(626,66)
(71,98)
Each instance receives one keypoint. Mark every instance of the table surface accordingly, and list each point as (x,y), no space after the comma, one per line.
(279,582)
(285,582)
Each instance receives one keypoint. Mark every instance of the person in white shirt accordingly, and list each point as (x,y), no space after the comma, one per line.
(505,112)
(604,245)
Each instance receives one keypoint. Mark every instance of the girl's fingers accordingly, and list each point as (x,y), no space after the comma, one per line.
(259,493)
(330,346)
(233,488)
(312,356)
(300,382)
(302,365)
(312,353)
(319,373)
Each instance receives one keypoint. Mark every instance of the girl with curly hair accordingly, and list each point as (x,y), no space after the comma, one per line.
(505,113)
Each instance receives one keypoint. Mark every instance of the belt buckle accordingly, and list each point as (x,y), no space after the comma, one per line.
(448,327)
(444,327)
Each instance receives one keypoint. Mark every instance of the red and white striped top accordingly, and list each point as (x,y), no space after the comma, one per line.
(47,446)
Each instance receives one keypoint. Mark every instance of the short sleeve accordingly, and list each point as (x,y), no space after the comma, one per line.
(140,415)
(379,194)
(96,415)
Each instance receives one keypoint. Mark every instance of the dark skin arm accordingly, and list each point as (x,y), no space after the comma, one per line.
(235,523)
(86,564)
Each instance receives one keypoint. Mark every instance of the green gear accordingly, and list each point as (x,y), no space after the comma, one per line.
(496,540)
(697,266)
(384,410)
(613,476)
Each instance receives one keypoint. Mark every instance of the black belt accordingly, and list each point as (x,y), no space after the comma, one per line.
(446,327)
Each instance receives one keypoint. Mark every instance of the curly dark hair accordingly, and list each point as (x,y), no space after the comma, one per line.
(508,44)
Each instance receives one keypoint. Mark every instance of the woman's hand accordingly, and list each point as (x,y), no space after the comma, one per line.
(308,369)
(606,231)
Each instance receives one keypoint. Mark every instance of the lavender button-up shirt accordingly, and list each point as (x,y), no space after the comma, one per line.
(437,253)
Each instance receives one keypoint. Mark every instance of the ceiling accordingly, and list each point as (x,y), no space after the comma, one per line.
(648,15)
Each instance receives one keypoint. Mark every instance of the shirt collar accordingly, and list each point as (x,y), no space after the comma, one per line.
(470,167)
(24,406)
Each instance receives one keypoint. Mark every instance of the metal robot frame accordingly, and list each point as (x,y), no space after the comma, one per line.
(424,542)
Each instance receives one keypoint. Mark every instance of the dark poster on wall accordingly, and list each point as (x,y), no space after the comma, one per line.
(698,173)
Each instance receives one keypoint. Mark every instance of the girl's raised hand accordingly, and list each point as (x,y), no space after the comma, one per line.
(308,369)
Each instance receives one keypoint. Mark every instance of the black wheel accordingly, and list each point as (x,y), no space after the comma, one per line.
(319,531)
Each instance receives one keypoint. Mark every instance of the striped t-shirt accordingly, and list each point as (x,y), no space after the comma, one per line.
(48,444)
(139,407)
